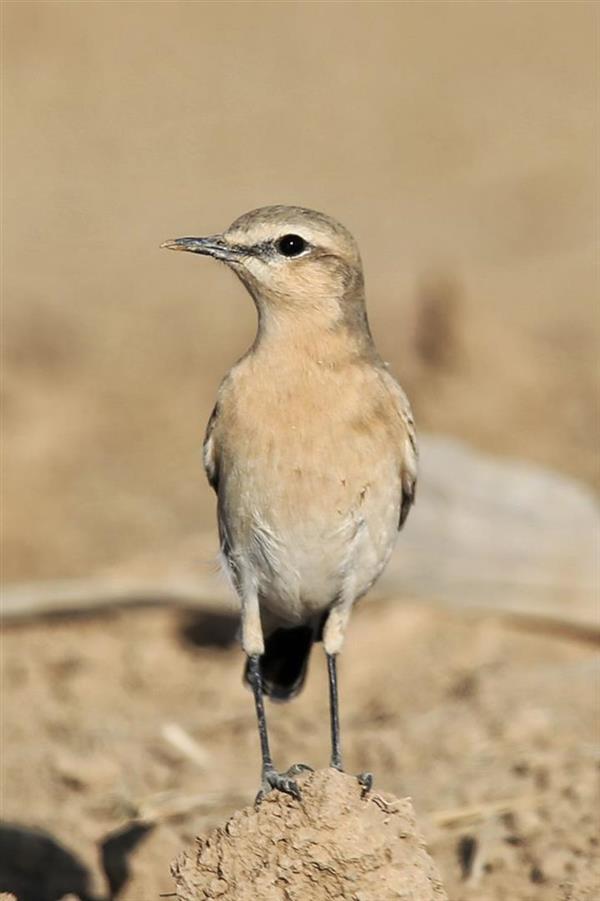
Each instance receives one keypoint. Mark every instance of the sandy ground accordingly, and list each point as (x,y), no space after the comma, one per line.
(457,142)
(492,732)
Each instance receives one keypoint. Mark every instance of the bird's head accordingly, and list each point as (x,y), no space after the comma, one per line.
(289,258)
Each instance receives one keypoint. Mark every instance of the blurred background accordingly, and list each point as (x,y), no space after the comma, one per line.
(458,141)
(454,139)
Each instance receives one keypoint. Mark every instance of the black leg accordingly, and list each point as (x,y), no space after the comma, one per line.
(269,777)
(255,680)
(334,713)
(365,779)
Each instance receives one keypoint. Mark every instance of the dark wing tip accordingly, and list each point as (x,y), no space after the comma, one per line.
(408,499)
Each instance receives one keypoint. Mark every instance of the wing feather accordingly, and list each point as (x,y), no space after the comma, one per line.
(209,451)
(408,452)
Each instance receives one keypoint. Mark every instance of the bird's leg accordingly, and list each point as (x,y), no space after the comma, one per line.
(333,636)
(254,646)
(334,713)
(270,778)
(365,779)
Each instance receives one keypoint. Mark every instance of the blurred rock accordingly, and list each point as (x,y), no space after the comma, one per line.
(36,867)
(495,535)
(333,844)
(498,535)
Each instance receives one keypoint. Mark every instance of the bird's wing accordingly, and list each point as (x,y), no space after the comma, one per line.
(209,451)
(408,451)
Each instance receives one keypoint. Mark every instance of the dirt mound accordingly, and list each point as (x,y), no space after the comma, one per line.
(335,843)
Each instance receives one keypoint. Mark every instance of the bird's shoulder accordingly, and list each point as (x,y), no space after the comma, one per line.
(221,420)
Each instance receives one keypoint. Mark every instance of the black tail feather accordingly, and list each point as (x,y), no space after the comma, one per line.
(284,664)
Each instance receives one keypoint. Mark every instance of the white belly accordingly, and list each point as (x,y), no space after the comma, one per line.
(303,566)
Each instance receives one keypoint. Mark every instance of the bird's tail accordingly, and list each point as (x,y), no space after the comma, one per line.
(284,664)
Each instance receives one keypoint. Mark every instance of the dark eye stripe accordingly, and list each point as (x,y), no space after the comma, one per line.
(267,248)
(254,250)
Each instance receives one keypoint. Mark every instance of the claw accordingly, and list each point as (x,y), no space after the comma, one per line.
(365,780)
(280,781)
(297,768)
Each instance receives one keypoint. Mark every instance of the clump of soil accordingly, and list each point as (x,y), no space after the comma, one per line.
(335,842)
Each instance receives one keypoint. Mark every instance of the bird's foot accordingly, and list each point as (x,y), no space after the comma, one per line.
(283,782)
(365,780)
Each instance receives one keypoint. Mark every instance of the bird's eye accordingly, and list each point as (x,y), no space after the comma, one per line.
(291,245)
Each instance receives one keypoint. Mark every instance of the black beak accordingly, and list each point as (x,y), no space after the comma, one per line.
(213,246)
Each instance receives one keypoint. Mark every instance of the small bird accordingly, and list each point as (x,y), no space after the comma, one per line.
(311,451)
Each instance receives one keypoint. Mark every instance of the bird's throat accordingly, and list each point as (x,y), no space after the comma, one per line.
(316,336)
(329,329)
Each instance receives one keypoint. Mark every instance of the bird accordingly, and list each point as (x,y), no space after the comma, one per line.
(311,449)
